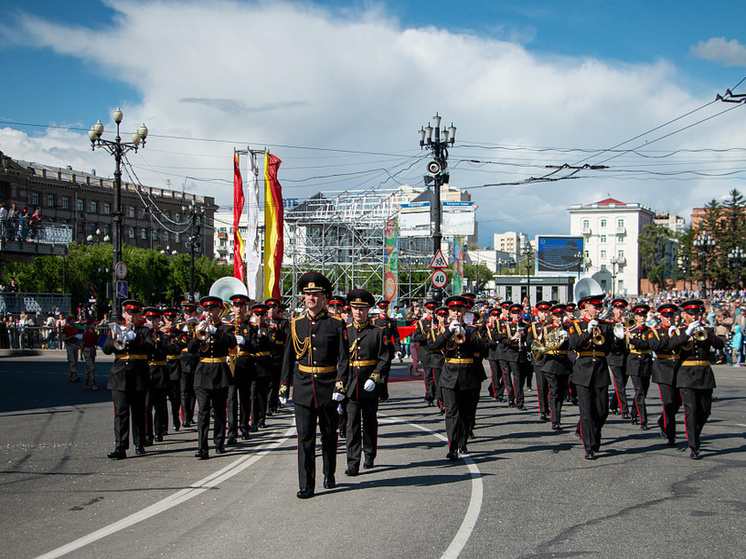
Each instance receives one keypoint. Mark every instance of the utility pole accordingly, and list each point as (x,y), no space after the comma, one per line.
(437,175)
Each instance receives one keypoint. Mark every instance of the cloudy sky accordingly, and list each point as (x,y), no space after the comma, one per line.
(338,91)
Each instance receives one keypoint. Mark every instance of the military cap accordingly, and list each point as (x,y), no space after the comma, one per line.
(458,301)
(469,295)
(668,308)
(313,282)
(692,305)
(383,303)
(259,308)
(132,305)
(557,309)
(337,300)
(619,302)
(494,311)
(274,302)
(170,312)
(515,307)
(570,306)
(431,304)
(506,304)
(240,299)
(360,298)
(543,305)
(188,305)
(152,311)
(595,300)
(441,311)
(211,301)
(641,308)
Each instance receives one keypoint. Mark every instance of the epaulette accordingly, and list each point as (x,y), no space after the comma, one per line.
(337,317)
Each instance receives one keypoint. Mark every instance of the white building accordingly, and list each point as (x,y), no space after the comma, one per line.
(675,223)
(610,229)
(511,242)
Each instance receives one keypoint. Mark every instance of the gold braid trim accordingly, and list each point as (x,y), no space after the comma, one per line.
(300,347)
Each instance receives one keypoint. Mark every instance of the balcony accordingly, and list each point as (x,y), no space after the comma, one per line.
(587,231)
(47,240)
(621,230)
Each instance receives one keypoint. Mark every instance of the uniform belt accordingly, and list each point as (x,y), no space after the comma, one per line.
(640,351)
(555,352)
(212,360)
(129,356)
(459,361)
(156,363)
(317,370)
(184,349)
(266,354)
(695,363)
(173,357)
(591,354)
(664,356)
(363,363)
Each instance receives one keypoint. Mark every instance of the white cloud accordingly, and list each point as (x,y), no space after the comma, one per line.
(294,75)
(730,53)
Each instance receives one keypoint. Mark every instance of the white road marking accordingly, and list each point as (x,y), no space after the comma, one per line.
(475,502)
(214,479)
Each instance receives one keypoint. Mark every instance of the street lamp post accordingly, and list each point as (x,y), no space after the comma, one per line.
(735,257)
(615,261)
(118,149)
(437,173)
(528,253)
(579,256)
(704,243)
(195,218)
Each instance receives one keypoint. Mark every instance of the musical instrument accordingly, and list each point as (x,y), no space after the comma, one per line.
(227,287)
(552,342)
(586,287)
(699,333)
(597,336)
(117,336)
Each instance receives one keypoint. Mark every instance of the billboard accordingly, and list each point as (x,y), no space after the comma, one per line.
(457,218)
(559,254)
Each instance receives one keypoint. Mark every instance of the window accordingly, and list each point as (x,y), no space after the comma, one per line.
(620,285)
(51,201)
(620,253)
(92,228)
(131,211)
(165,237)
(144,234)
(107,229)
(620,238)
(81,205)
(35,198)
(603,254)
(94,207)
(177,237)
(107,208)
(620,223)
(132,232)
(586,224)
(603,223)
(508,292)
(65,202)
(603,239)
(155,235)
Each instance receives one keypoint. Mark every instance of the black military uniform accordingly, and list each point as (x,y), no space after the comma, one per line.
(542,385)
(156,403)
(129,380)
(176,342)
(261,343)
(212,378)
(639,365)
(556,369)
(421,332)
(391,332)
(368,354)
(318,342)
(239,392)
(189,363)
(695,378)
(460,380)
(617,360)
(500,352)
(591,375)
(516,354)
(497,386)
(665,368)
(437,358)
(280,330)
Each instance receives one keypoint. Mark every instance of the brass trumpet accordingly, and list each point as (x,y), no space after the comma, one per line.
(699,333)
(117,336)
(597,336)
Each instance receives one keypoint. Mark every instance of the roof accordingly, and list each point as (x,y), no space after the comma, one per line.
(610,201)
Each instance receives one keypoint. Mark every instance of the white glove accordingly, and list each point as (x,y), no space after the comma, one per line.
(670,330)
(240,339)
(369,385)
(592,324)
(454,326)
(211,329)
(691,327)
(129,334)
(619,335)
(283,401)
(338,397)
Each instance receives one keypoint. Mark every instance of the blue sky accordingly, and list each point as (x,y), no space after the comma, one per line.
(364,76)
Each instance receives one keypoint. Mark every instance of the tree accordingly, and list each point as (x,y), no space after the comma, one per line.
(655,245)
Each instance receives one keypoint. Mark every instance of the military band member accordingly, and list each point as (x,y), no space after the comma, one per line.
(437,357)
(513,339)
(239,392)
(261,344)
(556,367)
(280,329)
(336,305)
(368,354)
(176,342)
(392,334)
(571,395)
(591,340)
(639,363)
(665,368)
(189,363)
(695,379)
(497,386)
(421,332)
(535,333)
(617,359)
(212,343)
(156,403)
(129,378)
(501,354)
(318,342)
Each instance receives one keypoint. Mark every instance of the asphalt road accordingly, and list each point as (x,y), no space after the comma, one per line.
(524,491)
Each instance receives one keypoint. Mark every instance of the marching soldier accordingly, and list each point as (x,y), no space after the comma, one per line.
(591,340)
(336,305)
(460,381)
(437,358)
(571,394)
(261,343)
(665,368)
(129,378)
(421,332)
(239,392)
(535,333)
(695,379)
(319,344)
(391,332)
(617,359)
(513,339)
(156,403)
(368,355)
(189,363)
(501,354)
(639,363)
(176,342)
(497,388)
(279,328)
(556,367)
(212,343)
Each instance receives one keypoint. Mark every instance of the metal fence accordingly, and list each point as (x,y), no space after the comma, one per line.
(16,303)
(37,337)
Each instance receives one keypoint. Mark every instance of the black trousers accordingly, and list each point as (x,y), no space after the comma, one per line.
(542,390)
(232,410)
(174,396)
(188,397)
(641,384)
(498,382)
(156,416)
(362,430)
(274,387)
(556,390)
(429,379)
(259,398)
(593,406)
(461,408)
(209,400)
(129,404)
(507,380)
(671,400)
(619,374)
(306,419)
(697,407)
(517,377)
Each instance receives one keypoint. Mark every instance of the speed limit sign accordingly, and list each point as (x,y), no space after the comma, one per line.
(439,279)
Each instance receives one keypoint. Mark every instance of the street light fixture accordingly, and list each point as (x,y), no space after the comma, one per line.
(118,149)
(196,218)
(528,252)
(704,243)
(616,262)
(736,256)
(437,173)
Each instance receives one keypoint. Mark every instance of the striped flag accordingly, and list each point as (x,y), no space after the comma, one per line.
(273,226)
(238,203)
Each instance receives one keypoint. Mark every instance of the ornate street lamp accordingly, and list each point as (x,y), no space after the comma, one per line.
(704,243)
(735,257)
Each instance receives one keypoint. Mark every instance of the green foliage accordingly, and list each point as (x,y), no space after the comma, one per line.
(655,243)
(479,274)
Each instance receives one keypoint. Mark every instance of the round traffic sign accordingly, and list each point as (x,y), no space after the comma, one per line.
(439,279)
(120,270)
